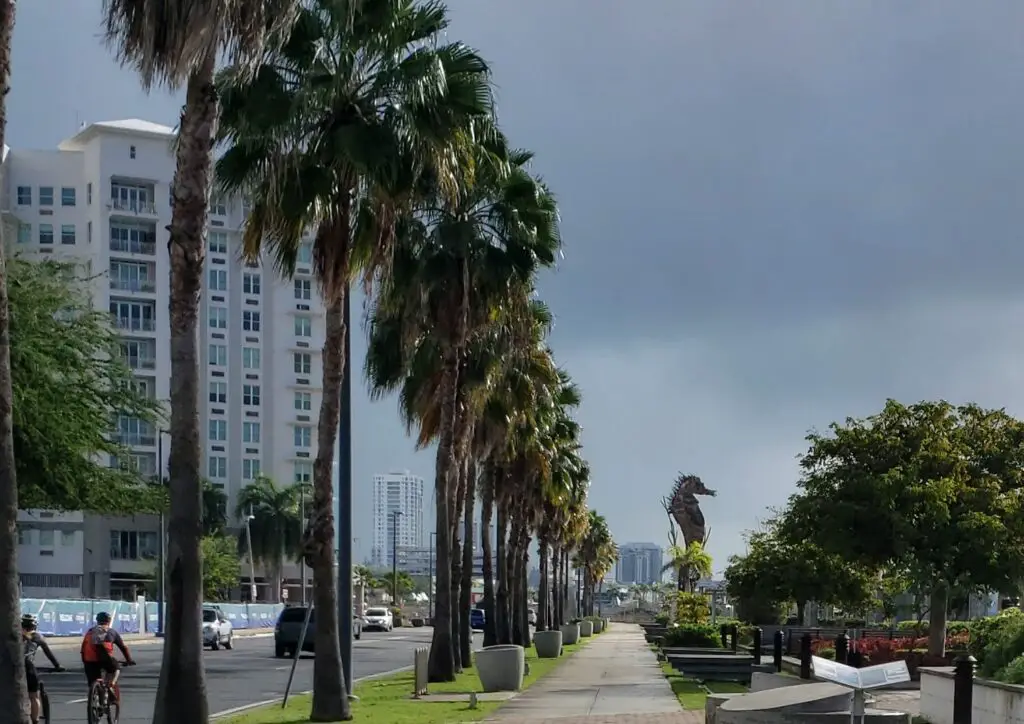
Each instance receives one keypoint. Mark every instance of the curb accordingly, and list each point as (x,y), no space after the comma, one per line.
(65,642)
(258,704)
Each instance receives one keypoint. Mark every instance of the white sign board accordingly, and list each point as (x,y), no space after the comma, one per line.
(870,677)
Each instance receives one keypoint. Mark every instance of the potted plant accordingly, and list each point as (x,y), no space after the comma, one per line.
(548,644)
(501,668)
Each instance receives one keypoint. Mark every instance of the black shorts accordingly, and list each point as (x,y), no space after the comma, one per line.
(94,670)
(31,676)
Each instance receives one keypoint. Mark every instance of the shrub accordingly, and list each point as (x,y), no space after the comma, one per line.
(691,608)
(1005,645)
(697,635)
(827,653)
(1014,672)
(984,630)
(662,619)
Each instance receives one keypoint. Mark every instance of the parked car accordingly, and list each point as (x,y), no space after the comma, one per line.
(217,630)
(378,618)
(289,629)
(476,619)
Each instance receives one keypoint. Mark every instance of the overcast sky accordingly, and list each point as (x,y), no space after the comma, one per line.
(776,214)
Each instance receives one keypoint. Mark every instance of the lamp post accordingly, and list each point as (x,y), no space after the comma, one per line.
(252,562)
(302,530)
(395,515)
(160,552)
(430,588)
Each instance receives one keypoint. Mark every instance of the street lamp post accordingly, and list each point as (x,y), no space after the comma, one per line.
(302,526)
(430,588)
(252,561)
(395,515)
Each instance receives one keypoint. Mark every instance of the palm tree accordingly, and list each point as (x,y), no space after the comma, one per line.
(362,578)
(688,565)
(13,696)
(405,102)
(275,524)
(175,48)
(597,555)
(215,509)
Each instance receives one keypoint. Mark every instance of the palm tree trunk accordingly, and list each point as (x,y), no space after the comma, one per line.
(502,620)
(556,586)
(565,583)
(466,598)
(441,666)
(458,499)
(330,697)
(542,587)
(524,587)
(486,514)
(13,694)
(514,557)
(181,693)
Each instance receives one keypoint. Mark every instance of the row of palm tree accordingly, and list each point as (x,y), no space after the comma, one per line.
(357,119)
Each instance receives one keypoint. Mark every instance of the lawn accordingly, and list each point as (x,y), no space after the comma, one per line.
(693,695)
(388,699)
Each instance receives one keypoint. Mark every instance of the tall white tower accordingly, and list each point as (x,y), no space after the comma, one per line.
(397,500)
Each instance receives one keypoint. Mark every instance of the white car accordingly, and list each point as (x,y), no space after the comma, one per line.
(379,618)
(217,630)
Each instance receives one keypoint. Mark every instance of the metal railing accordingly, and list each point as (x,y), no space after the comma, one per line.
(132,246)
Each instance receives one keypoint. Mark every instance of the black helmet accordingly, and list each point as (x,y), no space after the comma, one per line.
(29,622)
(102,618)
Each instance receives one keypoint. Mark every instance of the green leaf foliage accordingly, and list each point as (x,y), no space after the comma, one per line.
(69,384)
(931,487)
(221,567)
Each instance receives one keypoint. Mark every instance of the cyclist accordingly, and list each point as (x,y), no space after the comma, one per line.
(33,641)
(98,652)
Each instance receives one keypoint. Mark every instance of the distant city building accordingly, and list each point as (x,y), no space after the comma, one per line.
(397,509)
(639,563)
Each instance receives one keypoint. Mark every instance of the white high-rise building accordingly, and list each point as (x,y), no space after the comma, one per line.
(397,499)
(102,200)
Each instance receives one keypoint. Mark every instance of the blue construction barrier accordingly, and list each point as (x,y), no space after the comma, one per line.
(73,618)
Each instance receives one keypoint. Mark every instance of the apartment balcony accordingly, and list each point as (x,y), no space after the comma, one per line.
(136,362)
(133,285)
(133,246)
(132,324)
(134,439)
(132,208)
(132,199)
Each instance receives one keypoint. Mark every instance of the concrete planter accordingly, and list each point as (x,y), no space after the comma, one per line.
(570,633)
(501,668)
(607,622)
(598,625)
(586,629)
(548,644)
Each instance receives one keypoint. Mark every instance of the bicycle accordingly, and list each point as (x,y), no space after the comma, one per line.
(44,699)
(104,704)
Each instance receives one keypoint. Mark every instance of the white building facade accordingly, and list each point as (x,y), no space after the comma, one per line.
(397,511)
(102,199)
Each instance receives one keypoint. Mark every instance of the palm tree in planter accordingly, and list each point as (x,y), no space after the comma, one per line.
(333,134)
(688,565)
(274,523)
(176,48)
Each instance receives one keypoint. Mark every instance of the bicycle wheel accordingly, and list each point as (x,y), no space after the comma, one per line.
(113,706)
(94,706)
(44,701)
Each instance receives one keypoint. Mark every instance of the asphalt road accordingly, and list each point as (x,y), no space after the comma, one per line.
(246,675)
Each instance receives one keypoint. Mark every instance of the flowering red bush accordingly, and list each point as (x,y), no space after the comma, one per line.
(882,650)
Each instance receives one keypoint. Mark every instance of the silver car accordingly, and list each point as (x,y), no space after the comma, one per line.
(217,630)
(379,618)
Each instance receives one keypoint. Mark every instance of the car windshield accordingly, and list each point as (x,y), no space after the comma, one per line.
(209,615)
(376,612)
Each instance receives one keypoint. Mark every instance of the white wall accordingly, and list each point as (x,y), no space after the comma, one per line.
(993,702)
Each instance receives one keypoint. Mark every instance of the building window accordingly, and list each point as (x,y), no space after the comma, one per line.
(303,289)
(67,538)
(303,363)
(46,233)
(46,195)
(218,242)
(303,472)
(133,545)
(218,318)
(303,401)
(251,283)
(218,280)
(24,233)
(250,468)
(46,538)
(305,255)
(303,327)
(251,358)
(88,194)
(24,536)
(67,234)
(250,432)
(303,436)
(219,392)
(218,430)
(251,321)
(131,152)
(217,467)
(67,196)
(251,395)
(218,355)
(88,232)
(218,207)
(24,196)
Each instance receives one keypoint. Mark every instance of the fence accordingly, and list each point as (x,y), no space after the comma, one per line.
(73,618)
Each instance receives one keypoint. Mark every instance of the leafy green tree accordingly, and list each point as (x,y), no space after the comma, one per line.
(405,585)
(777,570)
(221,567)
(69,383)
(932,487)
(215,509)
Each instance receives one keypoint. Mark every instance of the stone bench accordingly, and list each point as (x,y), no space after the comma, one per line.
(714,667)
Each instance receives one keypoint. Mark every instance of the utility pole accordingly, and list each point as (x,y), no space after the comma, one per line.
(302,530)
(395,515)
(430,587)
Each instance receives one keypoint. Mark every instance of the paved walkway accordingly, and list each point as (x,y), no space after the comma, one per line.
(614,680)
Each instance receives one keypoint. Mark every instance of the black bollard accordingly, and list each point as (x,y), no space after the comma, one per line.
(963,688)
(734,634)
(842,647)
(723,632)
(777,649)
(758,634)
(805,656)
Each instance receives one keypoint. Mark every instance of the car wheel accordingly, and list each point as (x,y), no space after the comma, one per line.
(279,651)
(215,644)
(359,634)
(229,644)
(293,651)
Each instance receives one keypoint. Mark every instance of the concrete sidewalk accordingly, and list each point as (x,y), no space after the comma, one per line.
(614,680)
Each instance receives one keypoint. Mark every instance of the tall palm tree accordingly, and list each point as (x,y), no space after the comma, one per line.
(176,45)
(274,523)
(597,555)
(334,134)
(13,694)
(688,565)
(215,509)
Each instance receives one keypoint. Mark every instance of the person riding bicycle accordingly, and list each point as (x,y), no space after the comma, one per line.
(33,641)
(98,652)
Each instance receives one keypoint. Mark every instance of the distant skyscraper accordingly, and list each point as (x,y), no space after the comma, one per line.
(639,563)
(396,493)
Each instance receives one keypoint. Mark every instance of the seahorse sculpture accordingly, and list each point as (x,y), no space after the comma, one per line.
(684,508)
